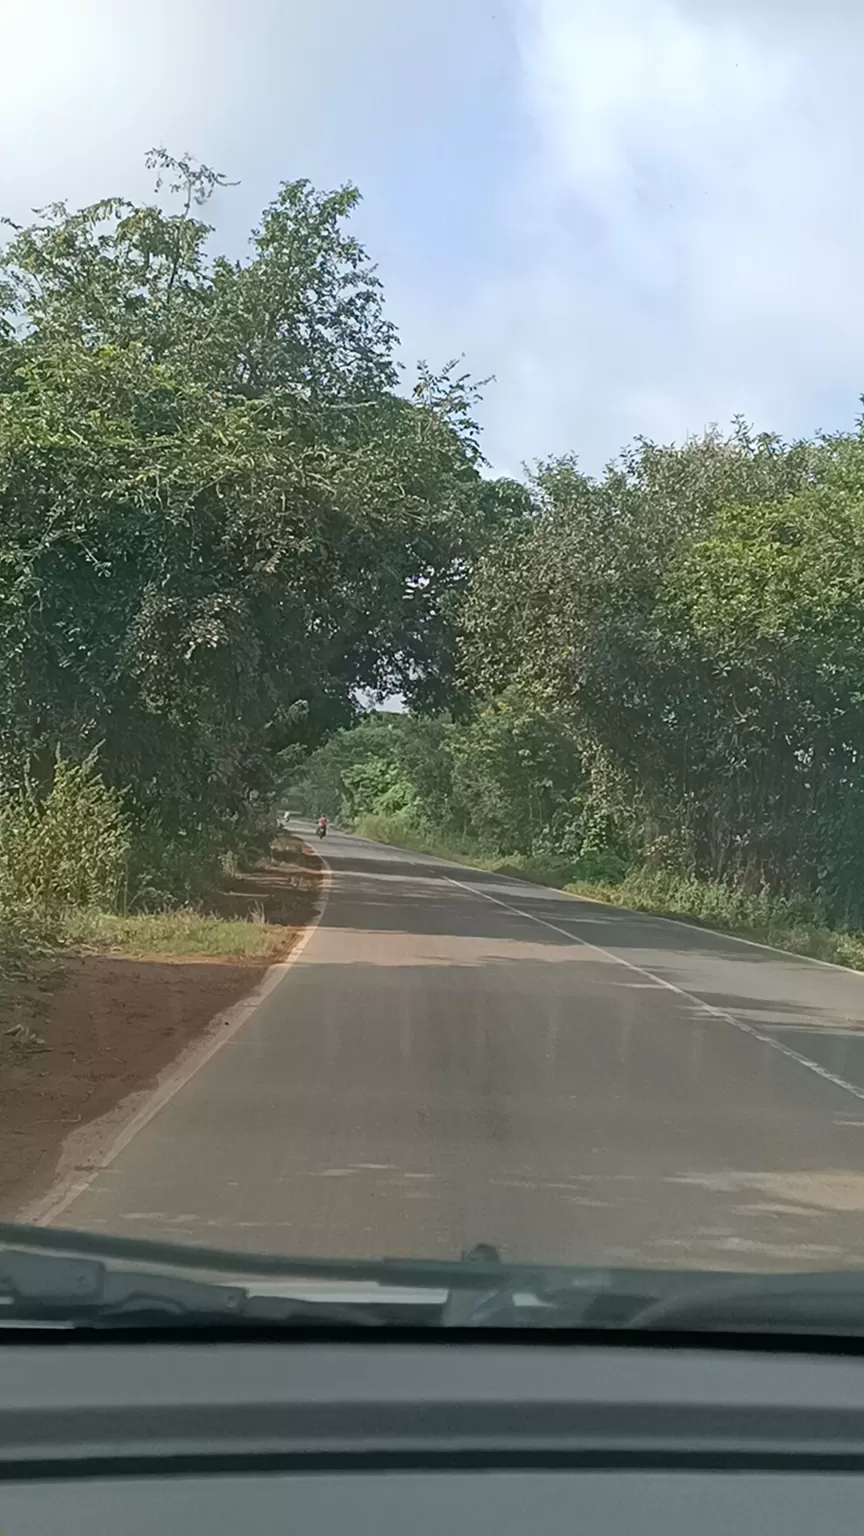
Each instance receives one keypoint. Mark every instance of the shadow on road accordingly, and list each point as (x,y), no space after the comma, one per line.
(416,898)
(378,891)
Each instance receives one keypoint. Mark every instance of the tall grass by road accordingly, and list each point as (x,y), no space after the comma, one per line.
(65,859)
(182,931)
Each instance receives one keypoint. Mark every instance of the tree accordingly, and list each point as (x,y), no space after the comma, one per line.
(768,609)
(517,780)
(591,611)
(219,517)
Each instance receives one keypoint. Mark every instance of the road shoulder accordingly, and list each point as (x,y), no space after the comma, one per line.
(95,1034)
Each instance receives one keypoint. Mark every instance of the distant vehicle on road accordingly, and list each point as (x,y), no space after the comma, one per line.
(321,829)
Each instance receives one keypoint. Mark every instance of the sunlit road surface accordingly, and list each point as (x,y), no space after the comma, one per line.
(458,1057)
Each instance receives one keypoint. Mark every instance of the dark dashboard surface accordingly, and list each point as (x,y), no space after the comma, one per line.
(432,1438)
(443,1504)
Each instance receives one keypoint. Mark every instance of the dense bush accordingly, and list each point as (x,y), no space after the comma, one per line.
(66,849)
(668,678)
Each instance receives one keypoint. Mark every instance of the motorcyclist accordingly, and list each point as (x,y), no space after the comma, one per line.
(322,826)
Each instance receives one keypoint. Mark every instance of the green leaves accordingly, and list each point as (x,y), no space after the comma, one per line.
(66,848)
(695,616)
(505,781)
(218,518)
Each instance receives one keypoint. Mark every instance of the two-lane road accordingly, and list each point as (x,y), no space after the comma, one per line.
(457,1057)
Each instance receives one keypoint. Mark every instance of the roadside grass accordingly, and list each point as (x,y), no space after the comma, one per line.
(183,931)
(539,869)
(249,912)
(33,966)
(188,930)
(32,942)
(392,829)
(784,923)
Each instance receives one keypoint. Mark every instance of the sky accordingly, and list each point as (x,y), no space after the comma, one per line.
(639,216)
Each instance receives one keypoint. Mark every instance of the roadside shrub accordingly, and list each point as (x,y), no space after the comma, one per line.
(163,871)
(66,849)
(398,829)
(189,866)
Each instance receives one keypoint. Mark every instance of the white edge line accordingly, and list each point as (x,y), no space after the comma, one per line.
(697,927)
(641,970)
(218,1032)
(613,906)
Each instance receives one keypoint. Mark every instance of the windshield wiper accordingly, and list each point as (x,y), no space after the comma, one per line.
(554,1296)
(55,1289)
(436,1273)
(44,1276)
(67,1278)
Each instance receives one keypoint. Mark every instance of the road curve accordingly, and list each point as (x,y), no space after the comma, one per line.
(457,1057)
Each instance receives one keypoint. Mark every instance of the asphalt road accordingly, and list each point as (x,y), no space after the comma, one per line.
(457,1057)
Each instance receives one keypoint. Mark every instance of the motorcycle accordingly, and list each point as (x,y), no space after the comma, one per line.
(320,830)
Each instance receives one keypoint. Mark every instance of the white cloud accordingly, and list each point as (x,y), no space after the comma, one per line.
(640,215)
(273,89)
(689,230)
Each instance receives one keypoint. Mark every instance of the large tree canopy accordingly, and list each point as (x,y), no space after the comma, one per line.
(220,517)
(695,616)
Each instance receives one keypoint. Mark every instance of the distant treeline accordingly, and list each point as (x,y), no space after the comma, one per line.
(665,671)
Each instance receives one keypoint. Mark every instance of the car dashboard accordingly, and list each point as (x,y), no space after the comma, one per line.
(429,1435)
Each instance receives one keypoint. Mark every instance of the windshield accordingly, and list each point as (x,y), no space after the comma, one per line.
(431,610)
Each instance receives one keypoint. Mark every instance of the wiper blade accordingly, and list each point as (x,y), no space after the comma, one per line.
(48,1273)
(83,1277)
(47,1288)
(551,1297)
(435,1273)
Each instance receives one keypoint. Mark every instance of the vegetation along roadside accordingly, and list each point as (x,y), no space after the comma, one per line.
(773,921)
(228,516)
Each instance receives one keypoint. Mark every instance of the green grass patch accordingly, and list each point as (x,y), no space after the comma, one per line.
(181,932)
(788,923)
(557,870)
